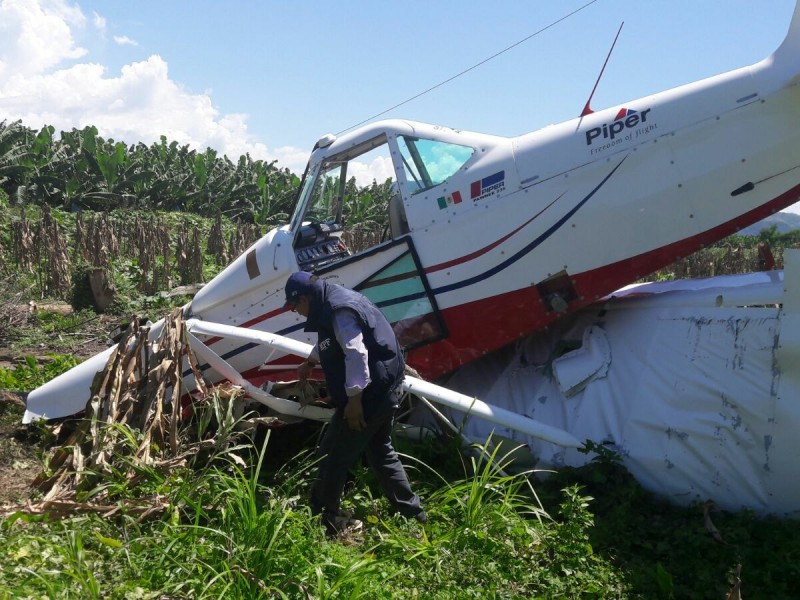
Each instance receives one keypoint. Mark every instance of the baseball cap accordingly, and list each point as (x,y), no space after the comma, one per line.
(299,284)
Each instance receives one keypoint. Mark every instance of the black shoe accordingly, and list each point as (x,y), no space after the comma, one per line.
(336,525)
(421,517)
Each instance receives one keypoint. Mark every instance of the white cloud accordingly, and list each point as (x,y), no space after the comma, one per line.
(377,169)
(36,36)
(288,156)
(124,40)
(99,22)
(39,85)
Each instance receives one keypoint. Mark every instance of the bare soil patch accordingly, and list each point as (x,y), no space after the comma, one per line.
(18,333)
(20,452)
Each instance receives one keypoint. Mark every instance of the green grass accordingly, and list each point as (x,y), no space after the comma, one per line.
(666,551)
(229,532)
(232,531)
(242,533)
(53,331)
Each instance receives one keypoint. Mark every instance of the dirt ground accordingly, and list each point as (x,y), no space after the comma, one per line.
(20,453)
(21,446)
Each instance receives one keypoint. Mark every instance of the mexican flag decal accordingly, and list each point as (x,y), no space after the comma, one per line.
(445,201)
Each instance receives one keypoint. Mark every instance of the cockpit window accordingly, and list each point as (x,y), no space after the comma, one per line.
(429,163)
(343,209)
(325,205)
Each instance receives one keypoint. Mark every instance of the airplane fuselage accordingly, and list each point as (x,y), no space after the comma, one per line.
(530,228)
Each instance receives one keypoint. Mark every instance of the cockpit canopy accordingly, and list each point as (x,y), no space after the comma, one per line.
(337,199)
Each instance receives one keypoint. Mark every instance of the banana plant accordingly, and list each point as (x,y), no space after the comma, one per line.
(13,146)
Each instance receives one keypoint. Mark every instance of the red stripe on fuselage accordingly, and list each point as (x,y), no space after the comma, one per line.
(257,377)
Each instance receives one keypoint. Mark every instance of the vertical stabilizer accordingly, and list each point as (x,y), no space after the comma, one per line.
(789,50)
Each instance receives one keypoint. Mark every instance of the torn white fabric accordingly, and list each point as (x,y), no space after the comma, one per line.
(690,396)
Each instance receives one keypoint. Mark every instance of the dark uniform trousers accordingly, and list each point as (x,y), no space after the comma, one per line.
(341,447)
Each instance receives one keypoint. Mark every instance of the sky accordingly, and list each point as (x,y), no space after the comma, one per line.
(270,77)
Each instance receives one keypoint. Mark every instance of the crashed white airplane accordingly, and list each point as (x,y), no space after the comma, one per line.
(492,239)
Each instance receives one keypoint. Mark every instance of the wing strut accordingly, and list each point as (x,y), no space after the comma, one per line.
(440,395)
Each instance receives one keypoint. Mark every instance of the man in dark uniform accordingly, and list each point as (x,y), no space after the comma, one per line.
(363,365)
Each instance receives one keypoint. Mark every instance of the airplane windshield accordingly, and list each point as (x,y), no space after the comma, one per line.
(325,205)
(320,198)
(308,182)
(429,162)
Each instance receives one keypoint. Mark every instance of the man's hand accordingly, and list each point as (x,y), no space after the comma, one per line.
(304,370)
(354,413)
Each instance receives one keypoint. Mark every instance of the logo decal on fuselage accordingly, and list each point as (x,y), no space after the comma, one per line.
(619,130)
(478,190)
(488,186)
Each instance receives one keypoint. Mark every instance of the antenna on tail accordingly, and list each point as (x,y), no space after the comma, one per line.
(587,110)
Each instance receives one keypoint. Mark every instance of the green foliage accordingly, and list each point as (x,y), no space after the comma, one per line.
(81,296)
(51,329)
(734,254)
(667,551)
(130,300)
(775,239)
(30,374)
(225,534)
(80,169)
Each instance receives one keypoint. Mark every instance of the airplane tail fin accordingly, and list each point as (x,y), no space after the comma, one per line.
(789,50)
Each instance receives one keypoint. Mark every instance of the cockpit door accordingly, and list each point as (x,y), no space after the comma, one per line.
(392,277)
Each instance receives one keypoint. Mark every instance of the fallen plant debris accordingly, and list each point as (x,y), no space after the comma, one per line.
(134,423)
